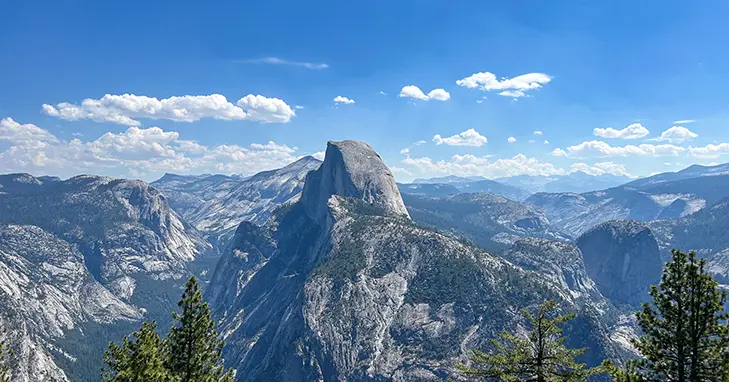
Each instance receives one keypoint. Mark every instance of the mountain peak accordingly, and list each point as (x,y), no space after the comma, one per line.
(351,169)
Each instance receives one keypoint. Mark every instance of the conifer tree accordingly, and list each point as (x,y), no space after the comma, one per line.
(685,333)
(137,360)
(4,361)
(541,357)
(194,347)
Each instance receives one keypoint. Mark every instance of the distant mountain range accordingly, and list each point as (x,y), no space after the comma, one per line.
(577,182)
(332,271)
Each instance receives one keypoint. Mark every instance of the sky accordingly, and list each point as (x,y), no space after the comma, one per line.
(489,88)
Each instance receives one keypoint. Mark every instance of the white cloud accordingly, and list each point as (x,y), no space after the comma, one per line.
(281,61)
(683,121)
(558,152)
(603,149)
(405,151)
(471,165)
(513,93)
(344,100)
(538,132)
(709,151)
(418,143)
(15,132)
(400,171)
(601,168)
(469,137)
(319,155)
(298,107)
(134,151)
(677,134)
(412,91)
(546,142)
(127,109)
(511,140)
(633,131)
(382,93)
(509,87)
(260,108)
(532,141)
(479,101)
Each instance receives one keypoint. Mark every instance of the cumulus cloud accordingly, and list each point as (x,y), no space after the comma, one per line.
(601,168)
(546,142)
(15,132)
(603,149)
(281,61)
(633,131)
(709,151)
(405,151)
(558,152)
(469,137)
(511,139)
(344,100)
(127,109)
(412,91)
(508,87)
(319,155)
(134,151)
(538,132)
(677,134)
(471,165)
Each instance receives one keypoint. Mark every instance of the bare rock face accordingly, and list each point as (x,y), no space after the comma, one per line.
(342,285)
(352,169)
(623,259)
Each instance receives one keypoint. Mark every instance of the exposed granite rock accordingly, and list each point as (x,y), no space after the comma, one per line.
(623,259)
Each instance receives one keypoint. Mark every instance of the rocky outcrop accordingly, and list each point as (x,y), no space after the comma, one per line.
(341,285)
(123,228)
(216,204)
(352,169)
(623,259)
(489,221)
(46,291)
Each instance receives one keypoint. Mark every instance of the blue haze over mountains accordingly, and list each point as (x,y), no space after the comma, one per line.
(313,265)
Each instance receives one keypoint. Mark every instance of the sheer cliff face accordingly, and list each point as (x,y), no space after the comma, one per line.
(352,169)
(623,259)
(343,286)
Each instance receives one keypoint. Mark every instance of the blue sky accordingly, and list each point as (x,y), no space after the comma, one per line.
(255,82)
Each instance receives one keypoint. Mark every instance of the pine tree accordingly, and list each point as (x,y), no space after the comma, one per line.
(628,374)
(138,360)
(194,346)
(685,333)
(541,357)
(4,361)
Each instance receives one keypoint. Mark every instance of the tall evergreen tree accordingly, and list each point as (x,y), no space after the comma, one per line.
(541,357)
(685,333)
(137,360)
(4,360)
(194,346)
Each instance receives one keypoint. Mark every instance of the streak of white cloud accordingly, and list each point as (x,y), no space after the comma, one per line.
(683,121)
(632,131)
(603,149)
(471,165)
(469,137)
(508,87)
(127,109)
(538,132)
(281,61)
